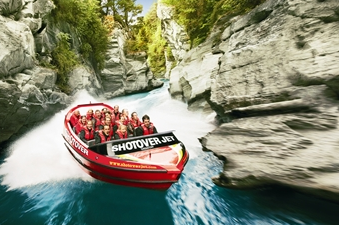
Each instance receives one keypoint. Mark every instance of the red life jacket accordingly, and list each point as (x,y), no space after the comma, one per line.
(126,120)
(116,115)
(110,128)
(135,123)
(74,119)
(97,123)
(118,123)
(147,130)
(103,137)
(89,116)
(89,134)
(111,133)
(79,126)
(121,135)
(112,119)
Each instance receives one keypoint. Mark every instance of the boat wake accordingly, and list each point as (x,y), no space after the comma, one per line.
(40,156)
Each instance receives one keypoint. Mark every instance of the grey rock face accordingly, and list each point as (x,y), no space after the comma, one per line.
(27,92)
(173,32)
(283,50)
(25,104)
(273,77)
(83,77)
(10,7)
(125,74)
(175,35)
(17,47)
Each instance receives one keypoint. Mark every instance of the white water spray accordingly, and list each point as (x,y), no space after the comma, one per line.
(40,156)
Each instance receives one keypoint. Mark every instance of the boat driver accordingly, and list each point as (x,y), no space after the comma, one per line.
(146,128)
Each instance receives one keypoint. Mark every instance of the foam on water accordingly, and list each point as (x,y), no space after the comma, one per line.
(40,155)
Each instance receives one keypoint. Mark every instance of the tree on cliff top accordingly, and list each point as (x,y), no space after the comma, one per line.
(123,11)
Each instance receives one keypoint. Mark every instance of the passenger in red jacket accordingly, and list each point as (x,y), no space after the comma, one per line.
(124,114)
(89,114)
(121,133)
(103,135)
(146,128)
(107,122)
(118,123)
(87,133)
(80,125)
(75,118)
(96,120)
(116,112)
(103,111)
(134,122)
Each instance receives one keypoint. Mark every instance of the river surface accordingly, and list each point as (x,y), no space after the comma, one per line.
(42,184)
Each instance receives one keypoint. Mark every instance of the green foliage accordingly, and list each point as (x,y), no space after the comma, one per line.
(85,17)
(148,38)
(123,11)
(65,60)
(156,52)
(156,44)
(169,54)
(199,16)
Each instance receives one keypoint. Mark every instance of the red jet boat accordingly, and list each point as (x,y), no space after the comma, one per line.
(152,161)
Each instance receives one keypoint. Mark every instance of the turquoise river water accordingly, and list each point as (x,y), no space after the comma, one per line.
(42,184)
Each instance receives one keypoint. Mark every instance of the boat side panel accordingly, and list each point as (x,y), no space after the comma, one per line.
(132,178)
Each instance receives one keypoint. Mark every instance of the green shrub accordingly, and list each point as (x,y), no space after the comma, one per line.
(85,17)
(65,60)
(156,51)
(169,53)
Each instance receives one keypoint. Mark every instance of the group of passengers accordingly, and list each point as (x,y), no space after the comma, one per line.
(106,125)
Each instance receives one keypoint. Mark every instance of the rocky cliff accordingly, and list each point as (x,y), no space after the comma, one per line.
(125,74)
(28,93)
(272,77)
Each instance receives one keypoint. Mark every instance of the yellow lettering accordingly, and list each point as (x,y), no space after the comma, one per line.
(127,165)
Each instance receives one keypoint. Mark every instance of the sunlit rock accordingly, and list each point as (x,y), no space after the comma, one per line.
(17,47)
(82,77)
(175,34)
(125,74)
(274,80)
(28,93)
(295,150)
(10,7)
(42,78)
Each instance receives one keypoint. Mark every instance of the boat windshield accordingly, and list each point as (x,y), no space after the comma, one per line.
(134,144)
